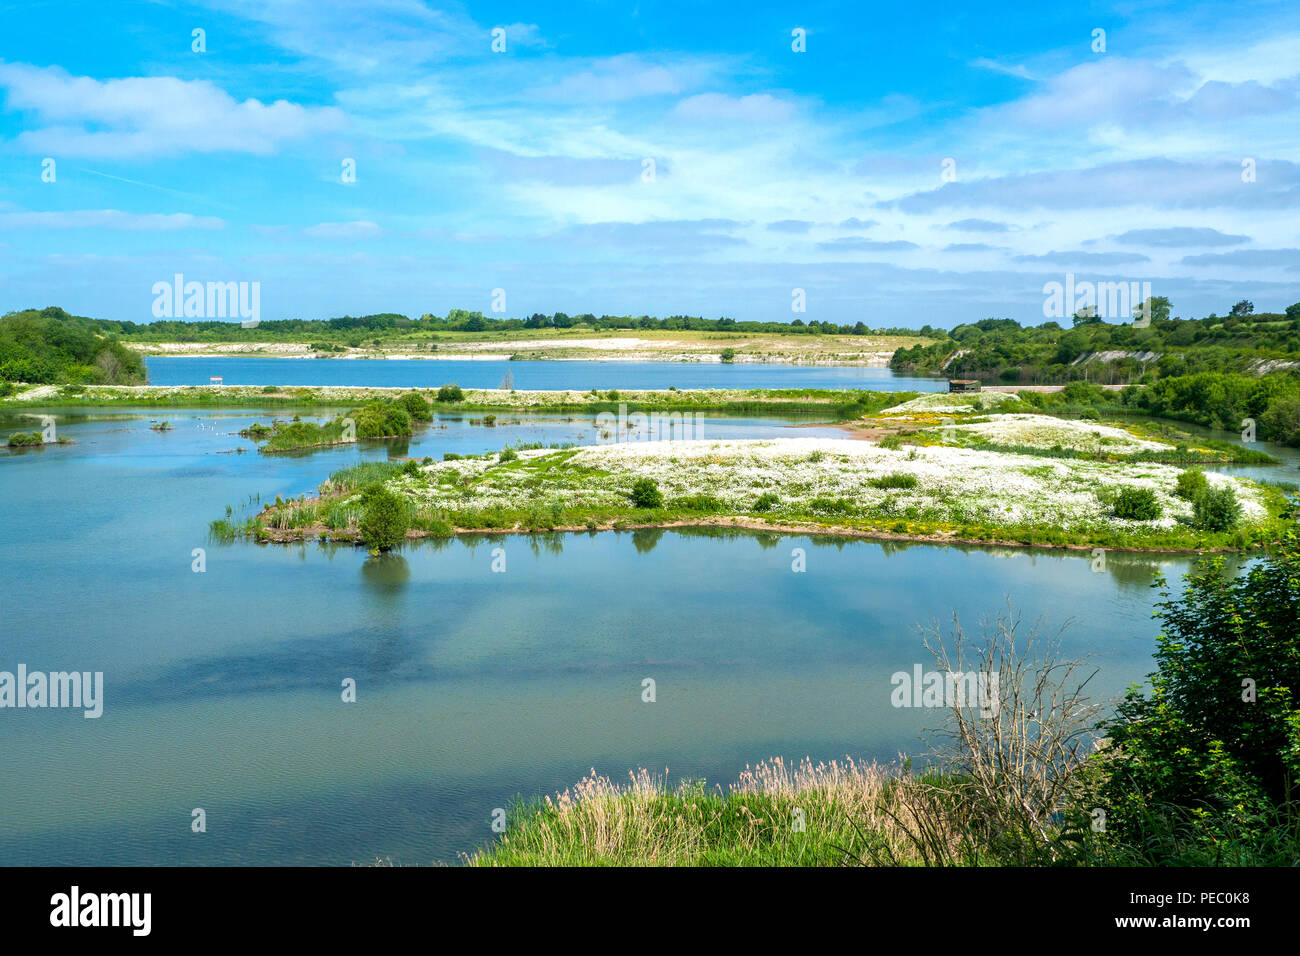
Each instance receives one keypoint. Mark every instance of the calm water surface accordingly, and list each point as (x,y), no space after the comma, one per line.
(425,373)
(223,687)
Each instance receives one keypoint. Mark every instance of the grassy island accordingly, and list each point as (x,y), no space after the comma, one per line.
(809,485)
(381,418)
(837,403)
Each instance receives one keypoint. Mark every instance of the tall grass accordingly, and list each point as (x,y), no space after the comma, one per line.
(357,476)
(775,814)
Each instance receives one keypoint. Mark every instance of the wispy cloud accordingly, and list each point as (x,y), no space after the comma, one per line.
(108,219)
(359,229)
(1178,237)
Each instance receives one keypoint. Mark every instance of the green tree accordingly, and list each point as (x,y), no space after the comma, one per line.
(1153,310)
(1086,316)
(385,519)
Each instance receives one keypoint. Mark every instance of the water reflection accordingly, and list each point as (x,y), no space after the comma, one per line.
(549,542)
(645,539)
(386,573)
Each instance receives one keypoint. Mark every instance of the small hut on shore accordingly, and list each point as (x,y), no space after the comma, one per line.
(963,385)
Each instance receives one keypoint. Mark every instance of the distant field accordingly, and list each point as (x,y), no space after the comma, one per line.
(560,344)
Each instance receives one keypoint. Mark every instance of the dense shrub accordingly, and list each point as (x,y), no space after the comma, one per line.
(706,503)
(381,419)
(384,520)
(766,501)
(1137,504)
(1280,421)
(1191,483)
(507,454)
(1216,509)
(1084,393)
(417,407)
(646,494)
(832,506)
(451,393)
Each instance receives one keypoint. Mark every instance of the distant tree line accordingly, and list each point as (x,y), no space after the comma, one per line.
(359,329)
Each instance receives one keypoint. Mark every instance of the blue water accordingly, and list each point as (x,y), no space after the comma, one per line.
(546,376)
(474,687)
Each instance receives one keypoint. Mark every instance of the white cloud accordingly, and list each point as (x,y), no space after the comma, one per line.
(626,76)
(364,37)
(151,116)
(1010,69)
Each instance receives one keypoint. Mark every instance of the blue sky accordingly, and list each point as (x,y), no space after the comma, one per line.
(525,170)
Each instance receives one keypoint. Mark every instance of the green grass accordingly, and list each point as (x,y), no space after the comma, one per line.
(1219,453)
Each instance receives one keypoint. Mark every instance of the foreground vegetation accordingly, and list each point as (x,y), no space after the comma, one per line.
(775,815)
(1195,769)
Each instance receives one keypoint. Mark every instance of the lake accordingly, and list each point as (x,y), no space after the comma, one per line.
(222,688)
(528,375)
